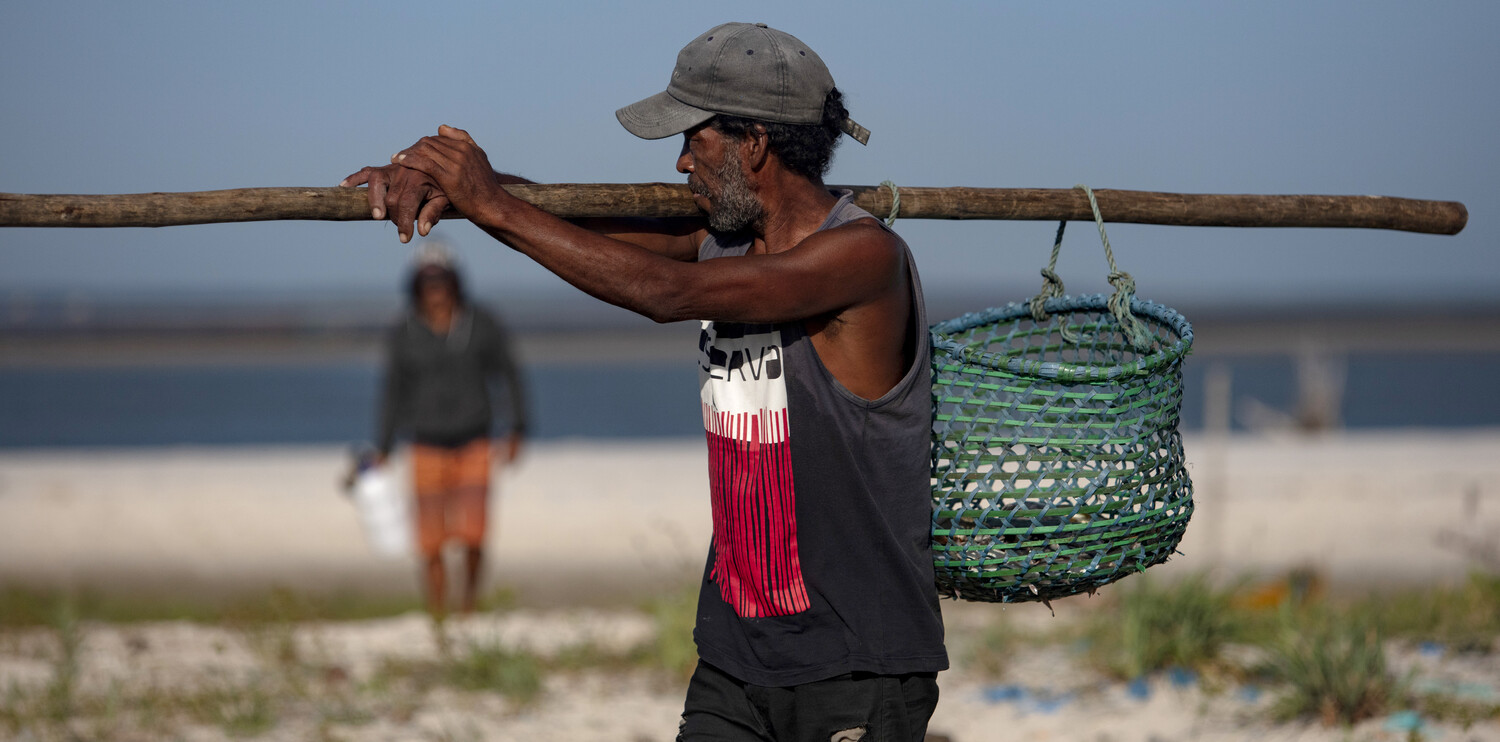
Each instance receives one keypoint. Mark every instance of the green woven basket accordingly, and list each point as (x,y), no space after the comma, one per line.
(1056,462)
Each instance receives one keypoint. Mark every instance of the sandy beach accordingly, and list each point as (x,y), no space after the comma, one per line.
(584,530)
(585,522)
(591,521)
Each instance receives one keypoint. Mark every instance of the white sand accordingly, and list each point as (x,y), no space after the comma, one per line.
(585,522)
(579,522)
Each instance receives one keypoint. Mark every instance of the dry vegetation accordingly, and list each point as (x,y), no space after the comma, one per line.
(288,667)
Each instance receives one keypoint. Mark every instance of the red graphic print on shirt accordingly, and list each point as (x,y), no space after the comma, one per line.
(743,390)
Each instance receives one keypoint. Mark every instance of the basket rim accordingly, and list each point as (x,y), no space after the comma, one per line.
(945,347)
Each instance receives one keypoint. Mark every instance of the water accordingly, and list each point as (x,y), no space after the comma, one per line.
(335,402)
(312,403)
(1380,390)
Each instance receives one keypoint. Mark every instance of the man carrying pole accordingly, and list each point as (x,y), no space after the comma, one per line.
(817,618)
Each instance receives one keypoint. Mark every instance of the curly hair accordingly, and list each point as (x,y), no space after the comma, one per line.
(805,149)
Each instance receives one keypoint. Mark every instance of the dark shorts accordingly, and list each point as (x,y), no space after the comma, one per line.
(849,708)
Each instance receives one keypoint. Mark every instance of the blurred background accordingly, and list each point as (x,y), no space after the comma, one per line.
(177,405)
(224,338)
(264,333)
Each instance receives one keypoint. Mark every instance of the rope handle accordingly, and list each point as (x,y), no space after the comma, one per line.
(1119,302)
(1052,288)
(895,201)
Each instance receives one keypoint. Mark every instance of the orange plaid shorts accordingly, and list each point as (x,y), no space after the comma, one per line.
(453,489)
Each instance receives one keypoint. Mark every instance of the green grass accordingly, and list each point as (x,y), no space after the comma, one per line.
(670,653)
(59,693)
(1464,618)
(242,707)
(672,649)
(243,711)
(478,667)
(22,607)
(990,652)
(245,706)
(1150,627)
(1325,657)
(1463,712)
(1332,667)
(490,667)
(57,702)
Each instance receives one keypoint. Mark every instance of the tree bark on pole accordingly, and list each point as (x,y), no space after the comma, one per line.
(575,200)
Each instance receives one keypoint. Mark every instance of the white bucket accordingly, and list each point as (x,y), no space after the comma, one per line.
(384,511)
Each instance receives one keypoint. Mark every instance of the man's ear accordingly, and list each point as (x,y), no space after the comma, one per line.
(756,148)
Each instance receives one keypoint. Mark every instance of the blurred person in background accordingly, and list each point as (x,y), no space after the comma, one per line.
(445,361)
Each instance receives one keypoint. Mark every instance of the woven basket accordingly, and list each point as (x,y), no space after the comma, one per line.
(1056,462)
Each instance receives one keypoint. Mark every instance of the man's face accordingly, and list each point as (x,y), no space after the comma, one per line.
(716,176)
(435,296)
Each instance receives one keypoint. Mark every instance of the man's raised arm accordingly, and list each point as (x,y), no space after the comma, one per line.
(826,273)
(412,199)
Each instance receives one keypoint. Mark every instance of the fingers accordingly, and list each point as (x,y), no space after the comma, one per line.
(412,188)
(376,178)
(376,195)
(453,132)
(431,212)
(420,159)
(356,179)
(431,155)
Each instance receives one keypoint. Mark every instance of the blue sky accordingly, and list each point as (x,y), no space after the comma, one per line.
(1270,97)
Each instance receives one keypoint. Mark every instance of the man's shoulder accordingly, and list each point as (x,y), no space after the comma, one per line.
(867,237)
(867,226)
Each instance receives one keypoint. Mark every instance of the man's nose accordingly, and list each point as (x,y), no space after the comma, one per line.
(684,161)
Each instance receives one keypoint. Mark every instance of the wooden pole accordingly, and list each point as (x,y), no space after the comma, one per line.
(573,200)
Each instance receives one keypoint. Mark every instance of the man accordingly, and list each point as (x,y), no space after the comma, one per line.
(442,358)
(817,617)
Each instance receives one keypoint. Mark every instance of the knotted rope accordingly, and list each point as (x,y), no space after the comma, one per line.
(1119,303)
(1052,288)
(1124,283)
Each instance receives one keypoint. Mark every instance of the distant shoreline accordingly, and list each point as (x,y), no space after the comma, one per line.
(255,347)
(1214,335)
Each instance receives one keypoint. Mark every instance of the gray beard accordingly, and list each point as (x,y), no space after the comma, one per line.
(736,207)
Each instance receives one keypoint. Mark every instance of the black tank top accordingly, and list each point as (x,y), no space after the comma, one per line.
(819,564)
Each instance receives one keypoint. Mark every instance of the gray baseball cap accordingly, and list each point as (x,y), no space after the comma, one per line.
(741,69)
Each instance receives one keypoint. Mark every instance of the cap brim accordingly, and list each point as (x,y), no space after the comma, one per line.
(660,116)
